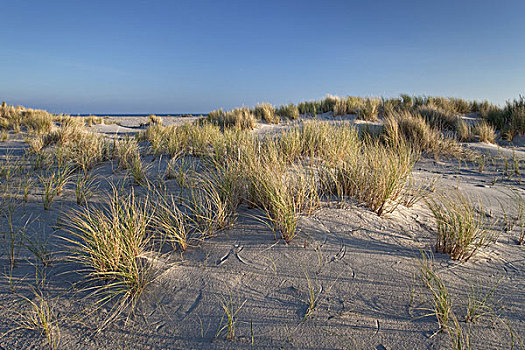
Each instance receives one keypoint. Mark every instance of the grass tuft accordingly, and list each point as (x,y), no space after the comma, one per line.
(461,229)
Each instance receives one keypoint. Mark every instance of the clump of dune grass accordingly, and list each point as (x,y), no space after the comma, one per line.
(266,112)
(229,320)
(154,120)
(464,131)
(369,110)
(485,132)
(37,121)
(450,104)
(171,222)
(479,303)
(442,303)
(109,241)
(347,105)
(309,108)
(374,174)
(93,120)
(238,118)
(442,306)
(86,185)
(39,316)
(11,237)
(328,103)
(438,117)
(461,228)
(510,120)
(283,196)
(74,142)
(193,139)
(138,171)
(214,198)
(317,140)
(15,118)
(53,183)
(289,111)
(125,151)
(88,151)
(410,127)
(233,145)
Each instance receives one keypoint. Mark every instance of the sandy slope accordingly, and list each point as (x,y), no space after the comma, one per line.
(362,269)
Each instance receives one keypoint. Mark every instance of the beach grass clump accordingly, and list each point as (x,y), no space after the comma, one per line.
(266,112)
(154,120)
(125,151)
(72,142)
(238,118)
(317,141)
(438,117)
(229,319)
(450,104)
(35,121)
(461,228)
(289,111)
(53,183)
(93,120)
(157,136)
(374,174)
(348,105)
(86,185)
(464,131)
(369,110)
(87,151)
(171,222)
(328,103)
(309,108)
(193,139)
(485,132)
(404,126)
(442,302)
(38,316)
(233,145)
(510,120)
(214,197)
(283,196)
(109,242)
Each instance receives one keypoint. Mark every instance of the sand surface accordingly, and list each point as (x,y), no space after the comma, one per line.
(362,269)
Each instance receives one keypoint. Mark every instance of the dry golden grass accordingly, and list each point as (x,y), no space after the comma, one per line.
(369,110)
(464,131)
(109,242)
(373,174)
(485,132)
(404,126)
(266,112)
(238,118)
(289,111)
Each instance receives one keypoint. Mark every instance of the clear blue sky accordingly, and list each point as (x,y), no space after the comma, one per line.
(193,56)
